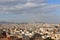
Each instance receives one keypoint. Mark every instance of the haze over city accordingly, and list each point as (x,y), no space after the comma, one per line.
(29,19)
(30,11)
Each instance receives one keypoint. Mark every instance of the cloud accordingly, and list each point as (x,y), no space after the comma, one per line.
(18,7)
(30,6)
(37,10)
(7,0)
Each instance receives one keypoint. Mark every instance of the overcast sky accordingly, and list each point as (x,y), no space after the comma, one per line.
(30,11)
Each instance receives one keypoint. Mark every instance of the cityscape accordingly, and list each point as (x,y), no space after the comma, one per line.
(29,19)
(30,31)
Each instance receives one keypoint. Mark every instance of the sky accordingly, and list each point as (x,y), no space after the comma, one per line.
(30,11)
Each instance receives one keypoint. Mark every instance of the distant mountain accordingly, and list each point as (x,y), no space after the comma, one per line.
(4,22)
(39,22)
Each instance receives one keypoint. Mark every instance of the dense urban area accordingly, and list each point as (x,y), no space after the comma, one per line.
(30,31)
